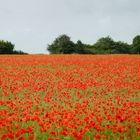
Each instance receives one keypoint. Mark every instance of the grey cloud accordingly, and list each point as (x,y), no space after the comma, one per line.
(31,24)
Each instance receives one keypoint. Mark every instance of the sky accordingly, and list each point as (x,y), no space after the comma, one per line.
(33,24)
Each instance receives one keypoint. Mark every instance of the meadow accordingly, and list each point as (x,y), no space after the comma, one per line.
(70,97)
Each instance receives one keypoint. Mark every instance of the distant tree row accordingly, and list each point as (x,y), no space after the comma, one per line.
(7,47)
(105,45)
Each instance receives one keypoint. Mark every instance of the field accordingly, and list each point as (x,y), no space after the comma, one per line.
(70,97)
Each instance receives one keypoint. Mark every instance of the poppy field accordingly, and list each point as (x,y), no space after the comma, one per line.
(70,97)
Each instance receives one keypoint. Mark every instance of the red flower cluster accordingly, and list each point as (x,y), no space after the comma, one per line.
(69,97)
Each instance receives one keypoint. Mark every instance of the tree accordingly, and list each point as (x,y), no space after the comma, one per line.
(104,45)
(19,52)
(62,45)
(121,47)
(6,47)
(136,44)
(79,47)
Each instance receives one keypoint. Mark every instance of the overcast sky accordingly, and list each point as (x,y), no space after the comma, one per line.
(32,24)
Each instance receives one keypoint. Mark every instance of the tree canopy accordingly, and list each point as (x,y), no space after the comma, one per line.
(7,47)
(62,45)
(105,45)
(136,44)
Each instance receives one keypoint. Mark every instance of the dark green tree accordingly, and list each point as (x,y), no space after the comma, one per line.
(19,52)
(6,47)
(136,44)
(62,45)
(121,48)
(104,45)
(79,47)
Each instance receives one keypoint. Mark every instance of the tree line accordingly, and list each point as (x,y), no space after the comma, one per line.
(63,45)
(105,45)
(7,47)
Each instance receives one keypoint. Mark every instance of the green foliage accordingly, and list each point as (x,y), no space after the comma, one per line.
(79,47)
(105,45)
(19,52)
(121,47)
(136,44)
(62,45)
(7,47)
